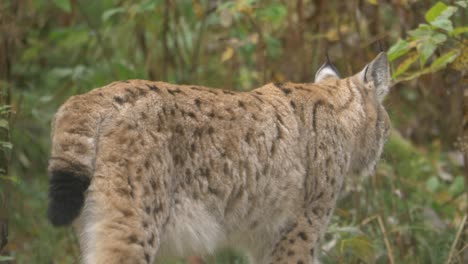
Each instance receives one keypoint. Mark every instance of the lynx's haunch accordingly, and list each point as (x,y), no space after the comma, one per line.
(149,169)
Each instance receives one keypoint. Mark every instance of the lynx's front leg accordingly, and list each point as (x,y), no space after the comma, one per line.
(299,242)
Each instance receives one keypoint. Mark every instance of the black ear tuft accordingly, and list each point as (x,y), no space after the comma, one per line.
(381,49)
(327,70)
(66,197)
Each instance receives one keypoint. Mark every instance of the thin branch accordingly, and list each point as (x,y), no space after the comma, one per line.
(384,233)
(198,44)
(455,242)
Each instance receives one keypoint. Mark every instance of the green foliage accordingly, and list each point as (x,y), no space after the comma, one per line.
(421,44)
(63,4)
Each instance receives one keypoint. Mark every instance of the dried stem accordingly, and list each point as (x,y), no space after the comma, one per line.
(384,233)
(455,242)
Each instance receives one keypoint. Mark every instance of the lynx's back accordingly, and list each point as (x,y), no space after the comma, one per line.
(145,169)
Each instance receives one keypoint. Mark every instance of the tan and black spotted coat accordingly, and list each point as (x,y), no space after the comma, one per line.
(149,169)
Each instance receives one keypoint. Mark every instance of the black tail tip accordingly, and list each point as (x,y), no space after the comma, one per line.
(66,197)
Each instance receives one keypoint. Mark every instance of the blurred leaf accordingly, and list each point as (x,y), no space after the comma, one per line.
(463,4)
(273,46)
(447,13)
(433,184)
(426,49)
(253,38)
(278,77)
(359,246)
(80,71)
(439,38)
(273,13)
(4,124)
(245,6)
(226,5)
(457,186)
(6,258)
(70,38)
(46,98)
(245,78)
(332,35)
(372,2)
(459,30)
(445,59)
(227,54)
(439,15)
(422,31)
(148,5)
(444,24)
(63,4)
(32,52)
(435,11)
(442,197)
(400,48)
(61,72)
(109,13)
(6,145)
(124,71)
(4,109)
(409,94)
(225,18)
(12,179)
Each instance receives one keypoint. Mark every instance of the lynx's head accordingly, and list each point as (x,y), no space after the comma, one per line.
(368,121)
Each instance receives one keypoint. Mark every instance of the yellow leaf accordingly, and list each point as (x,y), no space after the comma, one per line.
(253,38)
(227,54)
(372,2)
(278,77)
(404,65)
(198,9)
(442,197)
(331,35)
(225,18)
(244,7)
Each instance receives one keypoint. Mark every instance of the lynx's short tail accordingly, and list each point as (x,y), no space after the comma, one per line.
(66,196)
(75,133)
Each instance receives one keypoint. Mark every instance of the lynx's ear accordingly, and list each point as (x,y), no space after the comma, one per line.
(378,72)
(327,70)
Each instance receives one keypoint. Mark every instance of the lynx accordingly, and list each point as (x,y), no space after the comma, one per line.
(144,170)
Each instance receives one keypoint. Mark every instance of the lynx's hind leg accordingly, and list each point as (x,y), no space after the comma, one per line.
(125,209)
(115,229)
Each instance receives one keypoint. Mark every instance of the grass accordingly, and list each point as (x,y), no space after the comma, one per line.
(399,215)
(405,213)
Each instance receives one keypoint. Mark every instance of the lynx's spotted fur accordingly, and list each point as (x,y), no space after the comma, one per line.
(147,169)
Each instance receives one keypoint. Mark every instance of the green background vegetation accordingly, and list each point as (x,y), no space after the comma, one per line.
(409,211)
